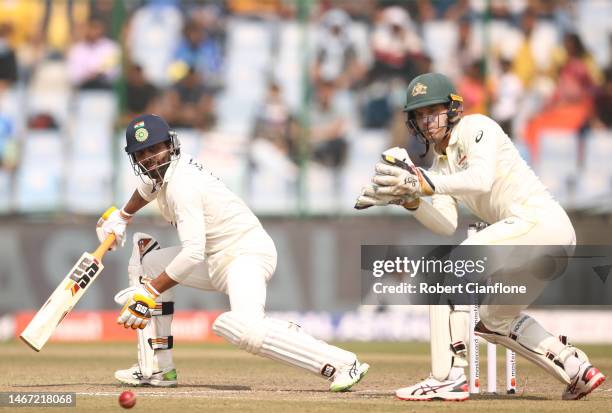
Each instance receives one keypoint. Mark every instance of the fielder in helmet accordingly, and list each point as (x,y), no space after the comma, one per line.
(433,97)
(476,164)
(223,248)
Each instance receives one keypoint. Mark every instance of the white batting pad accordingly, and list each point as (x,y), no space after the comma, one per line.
(529,339)
(155,340)
(449,338)
(282,341)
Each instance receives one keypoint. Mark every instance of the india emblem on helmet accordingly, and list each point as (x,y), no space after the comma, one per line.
(141,134)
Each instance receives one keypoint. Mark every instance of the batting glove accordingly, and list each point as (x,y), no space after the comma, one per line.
(138,303)
(113,221)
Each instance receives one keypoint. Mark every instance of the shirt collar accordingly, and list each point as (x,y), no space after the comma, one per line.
(168,174)
(171,169)
(454,137)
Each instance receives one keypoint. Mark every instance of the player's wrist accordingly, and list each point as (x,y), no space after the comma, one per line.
(412,204)
(126,216)
(150,290)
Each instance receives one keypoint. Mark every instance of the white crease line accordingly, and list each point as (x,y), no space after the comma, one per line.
(208,393)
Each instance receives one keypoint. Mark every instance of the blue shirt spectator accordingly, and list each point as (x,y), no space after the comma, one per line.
(202,52)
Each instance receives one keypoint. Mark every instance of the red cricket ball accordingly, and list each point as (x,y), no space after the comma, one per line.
(127,399)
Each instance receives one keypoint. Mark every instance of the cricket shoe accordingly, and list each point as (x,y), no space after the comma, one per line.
(587,380)
(347,377)
(433,389)
(133,377)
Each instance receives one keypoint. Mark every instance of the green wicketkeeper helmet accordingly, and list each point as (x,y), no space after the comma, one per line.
(431,89)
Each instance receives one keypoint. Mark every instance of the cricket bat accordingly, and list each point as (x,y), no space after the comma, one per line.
(66,295)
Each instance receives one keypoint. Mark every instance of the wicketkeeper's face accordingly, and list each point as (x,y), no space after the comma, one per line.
(432,121)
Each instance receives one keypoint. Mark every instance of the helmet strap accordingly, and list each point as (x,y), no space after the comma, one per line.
(158,173)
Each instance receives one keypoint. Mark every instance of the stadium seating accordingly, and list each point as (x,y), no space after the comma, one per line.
(246,69)
(39,177)
(364,151)
(89,170)
(49,92)
(558,164)
(5,192)
(595,181)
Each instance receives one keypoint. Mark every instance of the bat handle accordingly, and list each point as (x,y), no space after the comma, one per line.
(104,246)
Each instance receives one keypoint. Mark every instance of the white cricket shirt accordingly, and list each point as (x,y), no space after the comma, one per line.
(483,169)
(209,218)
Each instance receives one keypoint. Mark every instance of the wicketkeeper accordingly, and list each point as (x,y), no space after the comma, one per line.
(222,247)
(477,164)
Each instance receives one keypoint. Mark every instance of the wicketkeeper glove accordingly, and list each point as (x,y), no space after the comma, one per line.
(369,197)
(370,194)
(113,221)
(398,178)
(138,303)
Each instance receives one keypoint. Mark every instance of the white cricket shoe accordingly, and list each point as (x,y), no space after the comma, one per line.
(349,376)
(432,389)
(133,377)
(587,380)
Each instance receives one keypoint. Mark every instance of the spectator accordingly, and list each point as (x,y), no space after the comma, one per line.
(213,17)
(578,74)
(396,46)
(507,94)
(23,17)
(274,123)
(328,129)
(571,104)
(263,9)
(336,56)
(201,52)
(603,103)
(60,19)
(442,9)
(8,144)
(472,88)
(469,48)
(105,11)
(8,61)
(190,103)
(534,54)
(398,57)
(153,34)
(272,150)
(141,95)
(93,63)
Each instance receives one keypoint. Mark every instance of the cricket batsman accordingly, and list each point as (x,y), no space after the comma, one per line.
(477,164)
(222,247)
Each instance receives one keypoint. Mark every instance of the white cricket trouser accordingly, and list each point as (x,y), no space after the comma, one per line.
(241,272)
(547,225)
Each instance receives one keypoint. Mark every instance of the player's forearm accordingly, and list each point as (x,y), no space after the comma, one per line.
(185,262)
(163,282)
(435,220)
(135,203)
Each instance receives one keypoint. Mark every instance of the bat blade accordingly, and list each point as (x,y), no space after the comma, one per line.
(62,300)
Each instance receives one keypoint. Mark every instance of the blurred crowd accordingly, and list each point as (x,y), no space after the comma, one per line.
(526,64)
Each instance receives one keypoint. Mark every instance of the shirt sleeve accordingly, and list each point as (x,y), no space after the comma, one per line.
(440,216)
(447,206)
(479,140)
(190,223)
(147,190)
